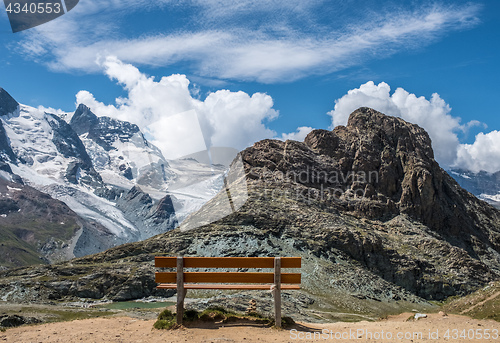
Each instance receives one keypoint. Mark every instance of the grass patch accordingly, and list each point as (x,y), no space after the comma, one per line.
(167,320)
(69,315)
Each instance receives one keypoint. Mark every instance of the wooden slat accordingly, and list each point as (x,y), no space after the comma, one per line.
(227,262)
(227,277)
(212,286)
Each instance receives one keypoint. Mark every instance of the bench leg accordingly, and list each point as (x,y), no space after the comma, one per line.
(277,292)
(180,305)
(181,292)
(277,307)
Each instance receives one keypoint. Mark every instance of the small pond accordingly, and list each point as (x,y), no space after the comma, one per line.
(127,305)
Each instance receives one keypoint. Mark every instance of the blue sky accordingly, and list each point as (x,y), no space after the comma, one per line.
(300,57)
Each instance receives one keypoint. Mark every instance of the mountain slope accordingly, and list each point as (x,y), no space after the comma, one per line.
(35,228)
(52,159)
(380,226)
(482,304)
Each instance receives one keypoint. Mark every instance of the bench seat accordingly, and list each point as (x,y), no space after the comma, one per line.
(182,280)
(219,286)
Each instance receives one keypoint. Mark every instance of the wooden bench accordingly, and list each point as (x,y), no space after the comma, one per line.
(182,281)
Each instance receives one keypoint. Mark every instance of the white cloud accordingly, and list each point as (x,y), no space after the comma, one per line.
(179,123)
(237,119)
(483,154)
(178,135)
(433,115)
(298,135)
(231,48)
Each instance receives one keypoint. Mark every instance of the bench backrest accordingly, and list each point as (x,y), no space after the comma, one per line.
(227,262)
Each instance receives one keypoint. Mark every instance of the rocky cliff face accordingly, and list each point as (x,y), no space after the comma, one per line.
(379,224)
(80,170)
(381,167)
(153,217)
(7,106)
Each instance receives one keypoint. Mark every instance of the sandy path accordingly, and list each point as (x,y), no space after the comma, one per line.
(125,329)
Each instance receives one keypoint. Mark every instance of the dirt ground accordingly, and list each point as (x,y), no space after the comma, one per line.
(434,328)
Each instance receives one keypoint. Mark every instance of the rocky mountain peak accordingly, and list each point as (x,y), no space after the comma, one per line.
(83,119)
(7,106)
(393,131)
(397,155)
(7,103)
(104,131)
(374,132)
(376,167)
(136,194)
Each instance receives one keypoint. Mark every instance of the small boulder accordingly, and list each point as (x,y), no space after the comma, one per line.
(420,315)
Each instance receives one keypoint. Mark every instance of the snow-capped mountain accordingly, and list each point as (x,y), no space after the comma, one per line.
(485,186)
(104,170)
(120,152)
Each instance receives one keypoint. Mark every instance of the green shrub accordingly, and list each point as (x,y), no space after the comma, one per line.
(162,324)
(166,315)
(191,315)
(166,321)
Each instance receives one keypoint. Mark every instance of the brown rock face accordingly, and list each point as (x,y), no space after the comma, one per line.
(387,165)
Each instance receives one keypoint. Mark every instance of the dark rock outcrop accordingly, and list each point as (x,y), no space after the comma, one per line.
(150,216)
(68,144)
(83,120)
(7,103)
(67,141)
(103,130)
(10,321)
(6,153)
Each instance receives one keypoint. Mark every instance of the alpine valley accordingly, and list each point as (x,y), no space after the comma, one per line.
(380,226)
